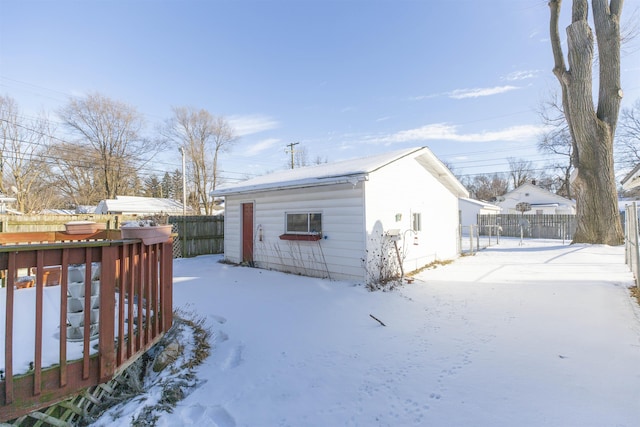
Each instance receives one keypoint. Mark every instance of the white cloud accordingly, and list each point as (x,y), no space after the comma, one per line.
(421,97)
(447,132)
(261,146)
(468,93)
(247,125)
(522,75)
(478,92)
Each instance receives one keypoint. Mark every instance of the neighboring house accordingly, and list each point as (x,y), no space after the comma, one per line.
(632,180)
(80,209)
(133,205)
(5,202)
(540,200)
(471,208)
(345,220)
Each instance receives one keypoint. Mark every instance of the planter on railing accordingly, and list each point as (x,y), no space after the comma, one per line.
(148,234)
(83,227)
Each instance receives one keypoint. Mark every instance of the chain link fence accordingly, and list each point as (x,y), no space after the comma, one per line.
(471,239)
(632,251)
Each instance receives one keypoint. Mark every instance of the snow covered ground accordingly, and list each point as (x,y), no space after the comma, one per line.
(540,334)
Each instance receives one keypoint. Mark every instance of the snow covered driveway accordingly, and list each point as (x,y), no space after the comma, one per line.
(542,334)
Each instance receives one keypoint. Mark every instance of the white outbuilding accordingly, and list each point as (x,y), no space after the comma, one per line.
(352,220)
(135,205)
(471,208)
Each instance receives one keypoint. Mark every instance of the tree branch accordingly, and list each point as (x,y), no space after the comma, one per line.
(607,29)
(376,319)
(559,68)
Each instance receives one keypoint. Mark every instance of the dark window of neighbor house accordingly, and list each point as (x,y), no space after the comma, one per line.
(416,224)
(304,223)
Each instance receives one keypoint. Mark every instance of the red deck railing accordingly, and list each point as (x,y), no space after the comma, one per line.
(130,313)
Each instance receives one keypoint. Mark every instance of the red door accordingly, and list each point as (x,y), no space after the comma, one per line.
(247,233)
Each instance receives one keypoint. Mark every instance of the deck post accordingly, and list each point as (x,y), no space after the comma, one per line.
(106,346)
(167,285)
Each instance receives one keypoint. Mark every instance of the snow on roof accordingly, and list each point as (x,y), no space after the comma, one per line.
(353,170)
(480,203)
(542,192)
(632,179)
(58,212)
(139,205)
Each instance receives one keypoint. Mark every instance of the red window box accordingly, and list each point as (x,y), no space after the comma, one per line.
(301,237)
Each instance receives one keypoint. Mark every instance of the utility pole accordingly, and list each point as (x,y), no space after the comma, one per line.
(291,151)
(184,184)
(184,206)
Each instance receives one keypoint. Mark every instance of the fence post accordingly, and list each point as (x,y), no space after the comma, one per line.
(184,236)
(634,226)
(626,234)
(471,239)
(521,234)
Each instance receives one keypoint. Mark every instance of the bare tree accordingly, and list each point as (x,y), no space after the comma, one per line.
(557,142)
(23,157)
(110,133)
(301,157)
(319,160)
(628,137)
(486,186)
(592,128)
(520,171)
(203,137)
(77,177)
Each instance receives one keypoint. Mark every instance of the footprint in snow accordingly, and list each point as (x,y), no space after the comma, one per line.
(218,319)
(233,359)
(207,416)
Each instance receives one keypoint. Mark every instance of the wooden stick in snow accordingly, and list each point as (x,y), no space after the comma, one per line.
(376,319)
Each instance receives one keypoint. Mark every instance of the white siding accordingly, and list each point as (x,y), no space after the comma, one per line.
(233,228)
(471,209)
(405,187)
(354,220)
(338,255)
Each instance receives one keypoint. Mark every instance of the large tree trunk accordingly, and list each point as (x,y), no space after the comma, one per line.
(592,131)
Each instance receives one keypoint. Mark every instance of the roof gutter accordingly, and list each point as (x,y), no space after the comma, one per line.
(345,179)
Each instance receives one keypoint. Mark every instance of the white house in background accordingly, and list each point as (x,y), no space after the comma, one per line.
(632,179)
(471,208)
(134,205)
(340,220)
(540,200)
(5,203)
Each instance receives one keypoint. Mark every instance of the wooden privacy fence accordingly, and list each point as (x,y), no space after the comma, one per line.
(79,309)
(198,235)
(194,235)
(542,226)
(33,223)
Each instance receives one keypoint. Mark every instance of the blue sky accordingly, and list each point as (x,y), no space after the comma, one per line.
(344,78)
